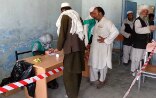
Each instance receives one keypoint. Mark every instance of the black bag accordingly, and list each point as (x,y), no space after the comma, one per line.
(6,81)
(22,70)
(27,74)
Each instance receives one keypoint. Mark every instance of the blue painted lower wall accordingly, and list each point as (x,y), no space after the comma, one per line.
(22,22)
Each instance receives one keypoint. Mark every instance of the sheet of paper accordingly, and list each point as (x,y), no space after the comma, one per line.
(52,54)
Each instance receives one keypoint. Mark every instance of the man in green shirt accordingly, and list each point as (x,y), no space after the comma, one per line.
(89,24)
(39,47)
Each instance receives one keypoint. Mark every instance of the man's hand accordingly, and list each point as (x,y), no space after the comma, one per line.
(88,47)
(51,50)
(56,50)
(152,28)
(101,39)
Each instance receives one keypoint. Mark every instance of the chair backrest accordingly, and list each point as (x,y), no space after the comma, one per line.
(150,47)
(20,53)
(119,37)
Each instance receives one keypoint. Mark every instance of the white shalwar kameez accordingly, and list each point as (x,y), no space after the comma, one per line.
(126,48)
(138,54)
(101,53)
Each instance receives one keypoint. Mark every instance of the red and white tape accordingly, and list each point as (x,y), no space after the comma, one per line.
(25,82)
(139,73)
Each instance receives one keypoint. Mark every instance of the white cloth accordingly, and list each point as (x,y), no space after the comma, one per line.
(122,30)
(94,74)
(76,27)
(137,56)
(86,34)
(142,7)
(92,9)
(86,30)
(101,53)
(141,30)
(126,53)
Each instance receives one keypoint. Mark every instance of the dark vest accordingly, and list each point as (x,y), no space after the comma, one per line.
(128,41)
(72,43)
(140,40)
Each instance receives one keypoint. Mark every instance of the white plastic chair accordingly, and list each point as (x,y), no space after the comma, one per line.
(150,70)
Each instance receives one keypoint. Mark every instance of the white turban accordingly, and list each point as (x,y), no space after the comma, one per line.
(142,7)
(65,4)
(128,12)
(92,9)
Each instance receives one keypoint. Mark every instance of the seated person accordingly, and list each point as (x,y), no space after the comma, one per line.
(40,47)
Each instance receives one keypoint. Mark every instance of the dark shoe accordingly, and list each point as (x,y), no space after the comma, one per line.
(101,84)
(94,83)
(129,61)
(126,64)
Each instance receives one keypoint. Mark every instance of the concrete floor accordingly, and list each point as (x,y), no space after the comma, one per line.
(119,80)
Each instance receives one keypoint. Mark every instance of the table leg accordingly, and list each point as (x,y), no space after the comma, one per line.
(41,89)
(41,86)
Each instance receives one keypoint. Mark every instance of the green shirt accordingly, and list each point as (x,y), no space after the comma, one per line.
(37,46)
(91,23)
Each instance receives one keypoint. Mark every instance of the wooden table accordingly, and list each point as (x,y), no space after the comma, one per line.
(48,63)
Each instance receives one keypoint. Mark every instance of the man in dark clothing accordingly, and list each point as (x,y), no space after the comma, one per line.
(127,31)
(141,30)
(151,22)
(151,19)
(71,40)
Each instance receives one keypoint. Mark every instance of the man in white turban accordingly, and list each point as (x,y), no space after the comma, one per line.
(100,58)
(141,31)
(127,31)
(71,40)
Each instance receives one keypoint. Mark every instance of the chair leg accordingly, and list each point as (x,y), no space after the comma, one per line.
(119,60)
(139,83)
(143,79)
(120,57)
